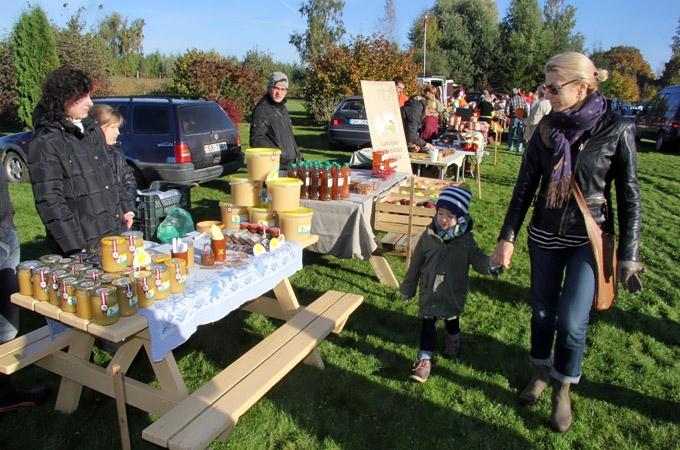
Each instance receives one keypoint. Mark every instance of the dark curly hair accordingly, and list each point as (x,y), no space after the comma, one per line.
(63,85)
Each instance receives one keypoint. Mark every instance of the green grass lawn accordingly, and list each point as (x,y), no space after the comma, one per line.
(629,397)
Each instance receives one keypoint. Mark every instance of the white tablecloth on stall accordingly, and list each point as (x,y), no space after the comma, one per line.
(213,293)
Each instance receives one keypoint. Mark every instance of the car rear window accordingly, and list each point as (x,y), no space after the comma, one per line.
(150,119)
(353,105)
(203,118)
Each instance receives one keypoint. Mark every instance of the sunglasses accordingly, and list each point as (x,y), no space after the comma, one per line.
(554,89)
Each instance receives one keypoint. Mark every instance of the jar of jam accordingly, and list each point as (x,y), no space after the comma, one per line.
(114,254)
(104,303)
(178,275)
(134,241)
(145,288)
(81,306)
(24,272)
(49,259)
(93,274)
(55,278)
(127,296)
(161,280)
(41,283)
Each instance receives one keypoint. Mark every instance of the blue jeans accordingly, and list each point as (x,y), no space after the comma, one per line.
(9,259)
(516,128)
(562,291)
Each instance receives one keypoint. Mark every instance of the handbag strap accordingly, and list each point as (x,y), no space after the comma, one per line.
(581,201)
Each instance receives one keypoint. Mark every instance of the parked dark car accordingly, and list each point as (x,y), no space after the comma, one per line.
(13,154)
(349,125)
(660,119)
(174,140)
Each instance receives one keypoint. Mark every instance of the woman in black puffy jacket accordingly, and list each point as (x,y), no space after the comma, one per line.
(580,140)
(73,182)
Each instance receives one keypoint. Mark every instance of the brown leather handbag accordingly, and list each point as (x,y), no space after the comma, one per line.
(604,251)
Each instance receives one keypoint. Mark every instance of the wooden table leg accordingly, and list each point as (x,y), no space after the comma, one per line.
(69,390)
(168,375)
(479,178)
(289,305)
(383,270)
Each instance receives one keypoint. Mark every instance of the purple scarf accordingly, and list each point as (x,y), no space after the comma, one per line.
(567,127)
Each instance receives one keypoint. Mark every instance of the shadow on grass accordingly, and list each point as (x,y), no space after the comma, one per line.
(663,330)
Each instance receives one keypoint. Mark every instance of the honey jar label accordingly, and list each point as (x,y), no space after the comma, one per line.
(121,259)
(133,302)
(304,229)
(164,286)
(71,301)
(150,293)
(111,311)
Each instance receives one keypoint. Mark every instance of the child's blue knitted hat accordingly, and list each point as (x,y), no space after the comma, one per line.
(455,199)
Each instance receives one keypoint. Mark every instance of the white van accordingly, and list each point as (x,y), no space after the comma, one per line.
(445,87)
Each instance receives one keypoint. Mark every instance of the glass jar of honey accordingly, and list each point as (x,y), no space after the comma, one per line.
(161,280)
(55,277)
(107,278)
(134,241)
(83,257)
(47,260)
(81,306)
(24,272)
(63,263)
(93,274)
(41,283)
(104,303)
(178,275)
(127,296)
(67,293)
(114,254)
(145,288)
(78,269)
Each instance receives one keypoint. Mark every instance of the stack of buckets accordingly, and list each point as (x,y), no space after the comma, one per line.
(264,198)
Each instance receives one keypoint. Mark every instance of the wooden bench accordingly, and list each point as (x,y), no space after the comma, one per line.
(212,411)
(29,348)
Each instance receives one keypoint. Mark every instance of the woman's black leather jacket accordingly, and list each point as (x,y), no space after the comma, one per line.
(604,154)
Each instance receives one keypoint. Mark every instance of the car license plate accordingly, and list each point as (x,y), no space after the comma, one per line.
(358,121)
(215,147)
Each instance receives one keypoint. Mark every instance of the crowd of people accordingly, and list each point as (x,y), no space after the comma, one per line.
(84,190)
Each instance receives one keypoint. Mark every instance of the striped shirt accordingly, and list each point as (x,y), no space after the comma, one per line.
(551,241)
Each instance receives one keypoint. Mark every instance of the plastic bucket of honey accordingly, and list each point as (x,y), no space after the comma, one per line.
(285,193)
(263,216)
(233,216)
(204,226)
(297,224)
(263,163)
(243,191)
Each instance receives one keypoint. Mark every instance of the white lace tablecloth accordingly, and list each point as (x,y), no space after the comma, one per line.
(211,294)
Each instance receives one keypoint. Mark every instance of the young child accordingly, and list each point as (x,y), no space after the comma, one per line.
(439,266)
(110,121)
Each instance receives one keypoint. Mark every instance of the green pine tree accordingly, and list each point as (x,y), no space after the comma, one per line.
(35,55)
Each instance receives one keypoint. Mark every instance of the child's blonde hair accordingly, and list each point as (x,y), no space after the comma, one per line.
(106,116)
(431,107)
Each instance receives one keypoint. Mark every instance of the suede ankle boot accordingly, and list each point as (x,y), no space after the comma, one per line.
(560,417)
(536,386)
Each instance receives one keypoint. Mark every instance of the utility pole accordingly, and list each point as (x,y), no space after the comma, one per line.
(425,44)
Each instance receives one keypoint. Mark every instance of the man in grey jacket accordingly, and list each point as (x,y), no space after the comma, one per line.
(539,108)
(271,125)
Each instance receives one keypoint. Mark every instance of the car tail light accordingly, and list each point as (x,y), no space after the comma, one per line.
(675,124)
(182,153)
(238,139)
(336,121)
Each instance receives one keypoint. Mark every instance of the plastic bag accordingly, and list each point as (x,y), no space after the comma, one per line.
(176,224)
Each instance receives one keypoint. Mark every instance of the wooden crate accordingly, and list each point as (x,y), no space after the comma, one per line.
(425,188)
(394,218)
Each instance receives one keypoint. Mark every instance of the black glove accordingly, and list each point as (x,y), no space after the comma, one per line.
(627,274)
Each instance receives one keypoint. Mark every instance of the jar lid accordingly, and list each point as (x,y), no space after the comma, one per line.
(123,281)
(300,212)
(262,151)
(109,240)
(173,262)
(159,267)
(285,181)
(85,285)
(134,233)
(31,264)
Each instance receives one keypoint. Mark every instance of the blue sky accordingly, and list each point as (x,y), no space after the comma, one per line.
(232,27)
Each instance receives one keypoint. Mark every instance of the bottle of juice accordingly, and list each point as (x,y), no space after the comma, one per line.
(346,177)
(314,182)
(336,182)
(303,176)
(324,180)
(292,171)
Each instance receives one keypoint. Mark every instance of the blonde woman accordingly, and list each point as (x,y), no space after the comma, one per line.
(579,139)
(110,122)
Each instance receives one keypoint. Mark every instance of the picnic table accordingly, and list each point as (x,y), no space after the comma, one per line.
(188,421)
(457,158)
